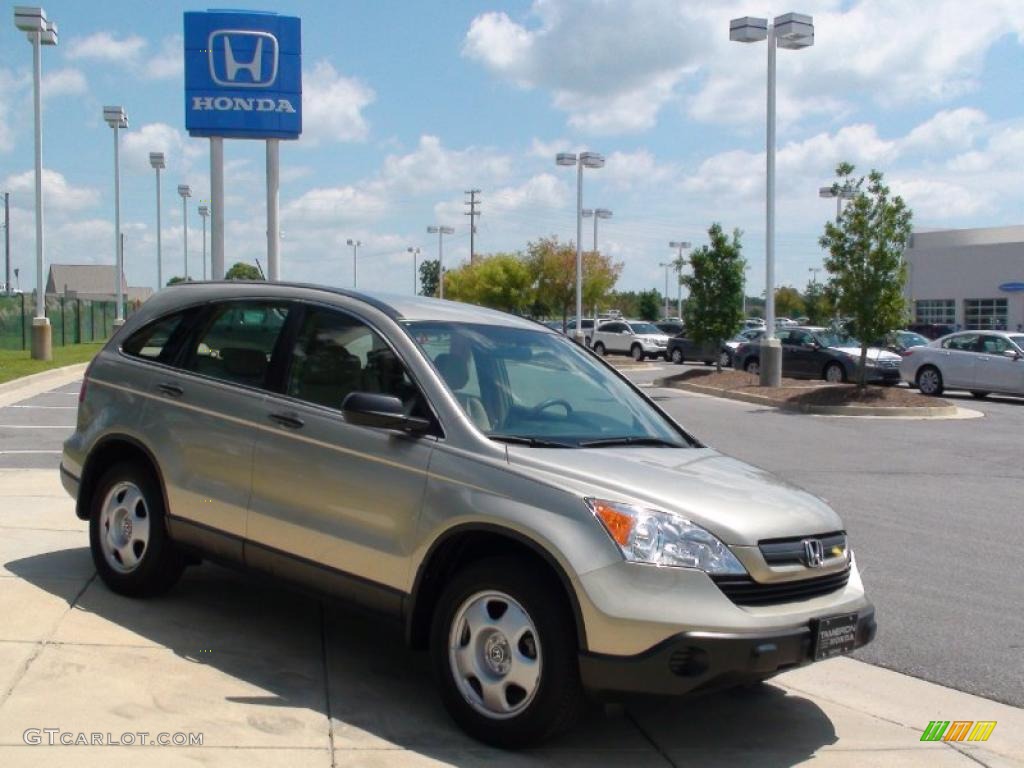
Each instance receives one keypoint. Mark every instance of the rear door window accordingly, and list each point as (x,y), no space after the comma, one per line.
(237,342)
(965,342)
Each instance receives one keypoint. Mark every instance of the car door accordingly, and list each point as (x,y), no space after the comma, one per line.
(335,502)
(201,424)
(799,354)
(612,336)
(957,360)
(993,370)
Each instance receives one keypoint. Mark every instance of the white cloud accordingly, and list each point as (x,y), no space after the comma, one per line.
(627,170)
(947,131)
(169,61)
(333,106)
(106,46)
(328,205)
(180,152)
(63,82)
(58,193)
(433,167)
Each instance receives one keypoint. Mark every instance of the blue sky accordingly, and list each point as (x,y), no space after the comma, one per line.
(408,104)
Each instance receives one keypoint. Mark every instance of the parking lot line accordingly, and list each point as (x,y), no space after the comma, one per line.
(8,453)
(37,426)
(46,407)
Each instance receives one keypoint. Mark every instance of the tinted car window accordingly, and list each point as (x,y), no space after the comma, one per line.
(994,345)
(238,341)
(612,327)
(965,342)
(336,354)
(152,342)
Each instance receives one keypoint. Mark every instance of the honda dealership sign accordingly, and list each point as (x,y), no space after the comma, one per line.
(243,75)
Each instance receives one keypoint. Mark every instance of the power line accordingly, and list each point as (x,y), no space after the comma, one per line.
(472,213)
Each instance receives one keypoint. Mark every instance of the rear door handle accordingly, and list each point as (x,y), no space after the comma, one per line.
(170,389)
(288,419)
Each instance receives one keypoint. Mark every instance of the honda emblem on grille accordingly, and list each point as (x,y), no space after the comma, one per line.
(814,553)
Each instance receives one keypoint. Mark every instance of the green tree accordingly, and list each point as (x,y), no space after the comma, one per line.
(428,277)
(715,308)
(242,271)
(500,281)
(817,304)
(788,302)
(175,280)
(865,262)
(553,266)
(648,305)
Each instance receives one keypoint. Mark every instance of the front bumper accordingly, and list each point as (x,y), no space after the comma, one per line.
(698,661)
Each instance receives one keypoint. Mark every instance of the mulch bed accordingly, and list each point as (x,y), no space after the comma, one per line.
(797,392)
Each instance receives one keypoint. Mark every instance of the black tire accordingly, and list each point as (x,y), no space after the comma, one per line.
(159,563)
(929,381)
(752,366)
(677,356)
(839,378)
(559,700)
(979,395)
(636,352)
(599,349)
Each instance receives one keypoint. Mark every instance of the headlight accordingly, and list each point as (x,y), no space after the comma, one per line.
(651,536)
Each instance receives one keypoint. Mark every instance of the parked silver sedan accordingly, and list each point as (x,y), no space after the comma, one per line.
(982,362)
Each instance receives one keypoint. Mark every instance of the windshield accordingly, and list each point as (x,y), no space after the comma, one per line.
(1018,340)
(832,339)
(909,339)
(645,328)
(532,386)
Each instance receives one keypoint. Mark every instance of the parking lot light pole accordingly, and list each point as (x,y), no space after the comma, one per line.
(156,160)
(679,245)
(581,161)
(355,257)
(840,194)
(204,211)
(415,258)
(666,265)
(186,192)
(792,31)
(40,31)
(597,214)
(117,119)
(440,231)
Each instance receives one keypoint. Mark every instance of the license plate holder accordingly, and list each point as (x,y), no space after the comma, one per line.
(835,636)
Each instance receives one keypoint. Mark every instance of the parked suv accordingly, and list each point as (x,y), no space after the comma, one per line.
(636,338)
(533,519)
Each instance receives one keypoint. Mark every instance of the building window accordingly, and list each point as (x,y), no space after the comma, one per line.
(985,314)
(937,311)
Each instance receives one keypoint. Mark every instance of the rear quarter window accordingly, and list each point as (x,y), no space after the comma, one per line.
(154,341)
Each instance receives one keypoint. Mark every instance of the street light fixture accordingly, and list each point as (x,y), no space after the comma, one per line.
(40,31)
(186,192)
(791,31)
(596,213)
(355,248)
(156,160)
(117,119)
(415,257)
(679,245)
(440,231)
(841,193)
(204,211)
(591,160)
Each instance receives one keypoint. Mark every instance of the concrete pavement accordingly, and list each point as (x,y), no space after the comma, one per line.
(270,677)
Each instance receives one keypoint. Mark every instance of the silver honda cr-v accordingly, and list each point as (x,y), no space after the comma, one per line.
(537,523)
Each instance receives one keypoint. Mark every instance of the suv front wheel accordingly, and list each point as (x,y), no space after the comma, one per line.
(127,534)
(503,650)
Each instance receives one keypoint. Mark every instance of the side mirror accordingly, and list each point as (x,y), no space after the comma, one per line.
(1013,354)
(368,409)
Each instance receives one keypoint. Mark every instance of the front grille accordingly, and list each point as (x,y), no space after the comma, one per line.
(889,363)
(792,551)
(746,591)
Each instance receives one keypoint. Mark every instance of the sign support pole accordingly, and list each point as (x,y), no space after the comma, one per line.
(273,201)
(217,208)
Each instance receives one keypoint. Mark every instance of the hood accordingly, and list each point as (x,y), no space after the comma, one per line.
(735,501)
(874,353)
(653,336)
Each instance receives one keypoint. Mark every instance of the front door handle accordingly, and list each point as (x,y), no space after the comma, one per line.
(173,390)
(288,419)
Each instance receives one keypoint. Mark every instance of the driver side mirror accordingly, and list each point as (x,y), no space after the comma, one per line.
(1013,354)
(368,409)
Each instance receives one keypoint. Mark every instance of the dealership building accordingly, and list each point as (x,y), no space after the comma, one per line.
(968,278)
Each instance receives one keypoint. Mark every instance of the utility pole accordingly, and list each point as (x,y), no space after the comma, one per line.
(472,213)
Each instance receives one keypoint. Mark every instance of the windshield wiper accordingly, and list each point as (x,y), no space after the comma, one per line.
(533,442)
(613,441)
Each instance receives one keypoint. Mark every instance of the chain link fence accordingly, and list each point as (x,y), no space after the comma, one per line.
(73,320)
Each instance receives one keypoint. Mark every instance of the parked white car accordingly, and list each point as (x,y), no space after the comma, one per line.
(636,338)
(979,361)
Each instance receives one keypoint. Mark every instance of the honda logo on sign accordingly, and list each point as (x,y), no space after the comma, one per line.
(241,58)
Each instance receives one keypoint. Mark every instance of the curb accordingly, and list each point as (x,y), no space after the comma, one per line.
(37,383)
(925,412)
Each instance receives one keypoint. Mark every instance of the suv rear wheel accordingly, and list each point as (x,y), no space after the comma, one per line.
(127,534)
(599,349)
(503,650)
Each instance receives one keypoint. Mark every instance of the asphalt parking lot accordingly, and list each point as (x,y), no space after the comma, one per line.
(271,677)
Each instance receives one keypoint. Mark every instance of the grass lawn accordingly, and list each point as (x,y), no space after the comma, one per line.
(15,364)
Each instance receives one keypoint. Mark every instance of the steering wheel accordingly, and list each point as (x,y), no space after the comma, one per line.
(552,401)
